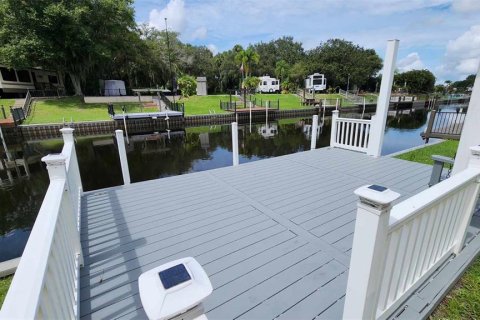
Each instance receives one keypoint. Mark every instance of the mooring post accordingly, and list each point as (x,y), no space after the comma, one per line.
(235,143)
(313,142)
(333,134)
(250,105)
(122,153)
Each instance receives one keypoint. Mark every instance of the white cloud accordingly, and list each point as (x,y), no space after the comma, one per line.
(463,54)
(199,33)
(466,6)
(213,48)
(411,62)
(175,14)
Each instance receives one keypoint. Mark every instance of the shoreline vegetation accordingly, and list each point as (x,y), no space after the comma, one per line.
(463,301)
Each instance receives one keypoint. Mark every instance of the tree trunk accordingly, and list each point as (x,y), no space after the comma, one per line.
(76,84)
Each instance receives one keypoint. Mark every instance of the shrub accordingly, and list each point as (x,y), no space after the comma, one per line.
(188,85)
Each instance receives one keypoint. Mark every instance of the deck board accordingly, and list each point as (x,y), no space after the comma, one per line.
(274,236)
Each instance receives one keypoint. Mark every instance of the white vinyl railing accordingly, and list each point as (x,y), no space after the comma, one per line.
(351,134)
(395,249)
(45,285)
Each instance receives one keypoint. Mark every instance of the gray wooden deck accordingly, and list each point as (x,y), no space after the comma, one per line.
(273,235)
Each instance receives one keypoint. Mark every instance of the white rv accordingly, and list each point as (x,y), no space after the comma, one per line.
(316,82)
(14,81)
(268,84)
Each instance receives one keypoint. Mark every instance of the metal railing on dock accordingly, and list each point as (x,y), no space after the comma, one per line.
(445,125)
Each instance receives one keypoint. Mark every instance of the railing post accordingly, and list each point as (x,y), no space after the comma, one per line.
(368,252)
(313,141)
(67,134)
(122,153)
(470,136)
(333,132)
(431,120)
(383,102)
(474,162)
(235,143)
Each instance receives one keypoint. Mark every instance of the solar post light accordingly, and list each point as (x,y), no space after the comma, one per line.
(175,290)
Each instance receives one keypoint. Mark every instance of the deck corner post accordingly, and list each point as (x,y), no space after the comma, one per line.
(333,133)
(235,143)
(67,134)
(368,252)
(123,156)
(474,163)
(469,136)
(313,140)
(383,102)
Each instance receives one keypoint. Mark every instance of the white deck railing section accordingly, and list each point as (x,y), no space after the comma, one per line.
(396,249)
(350,134)
(45,285)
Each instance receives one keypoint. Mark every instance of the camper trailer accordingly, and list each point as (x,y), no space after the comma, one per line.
(316,82)
(18,82)
(268,84)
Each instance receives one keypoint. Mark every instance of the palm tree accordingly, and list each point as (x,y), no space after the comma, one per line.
(247,58)
(281,69)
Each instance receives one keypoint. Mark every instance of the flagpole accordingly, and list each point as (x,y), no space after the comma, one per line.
(170,63)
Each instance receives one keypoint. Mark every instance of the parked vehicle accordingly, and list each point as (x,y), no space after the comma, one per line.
(268,84)
(316,82)
(14,82)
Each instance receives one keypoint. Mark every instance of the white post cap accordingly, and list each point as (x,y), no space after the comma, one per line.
(475,151)
(173,288)
(376,196)
(56,166)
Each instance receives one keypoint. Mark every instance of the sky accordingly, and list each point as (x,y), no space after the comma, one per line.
(440,35)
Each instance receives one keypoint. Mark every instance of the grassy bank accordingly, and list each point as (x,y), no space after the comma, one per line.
(463,301)
(287,101)
(54,111)
(4,285)
(204,104)
(424,155)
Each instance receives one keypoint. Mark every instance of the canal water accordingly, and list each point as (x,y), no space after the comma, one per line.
(158,155)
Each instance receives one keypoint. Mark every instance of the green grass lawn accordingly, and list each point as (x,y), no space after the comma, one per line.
(463,301)
(424,155)
(287,101)
(4,285)
(54,111)
(205,104)
(6,103)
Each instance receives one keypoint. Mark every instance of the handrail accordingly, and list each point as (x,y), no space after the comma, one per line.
(396,249)
(46,283)
(26,103)
(350,134)
(406,210)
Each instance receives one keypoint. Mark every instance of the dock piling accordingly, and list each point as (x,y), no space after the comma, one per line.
(313,141)
(235,143)
(122,153)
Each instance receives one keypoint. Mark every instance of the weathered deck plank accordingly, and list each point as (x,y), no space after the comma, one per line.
(274,235)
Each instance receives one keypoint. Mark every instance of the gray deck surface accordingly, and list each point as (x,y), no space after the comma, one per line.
(273,235)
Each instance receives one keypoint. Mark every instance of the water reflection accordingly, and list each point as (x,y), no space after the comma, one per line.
(163,154)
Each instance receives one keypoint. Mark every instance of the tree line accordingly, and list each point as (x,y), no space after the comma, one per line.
(90,40)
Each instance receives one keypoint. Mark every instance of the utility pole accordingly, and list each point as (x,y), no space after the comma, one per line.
(174,90)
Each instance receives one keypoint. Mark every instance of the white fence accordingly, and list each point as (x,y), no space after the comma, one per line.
(396,249)
(351,134)
(45,285)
